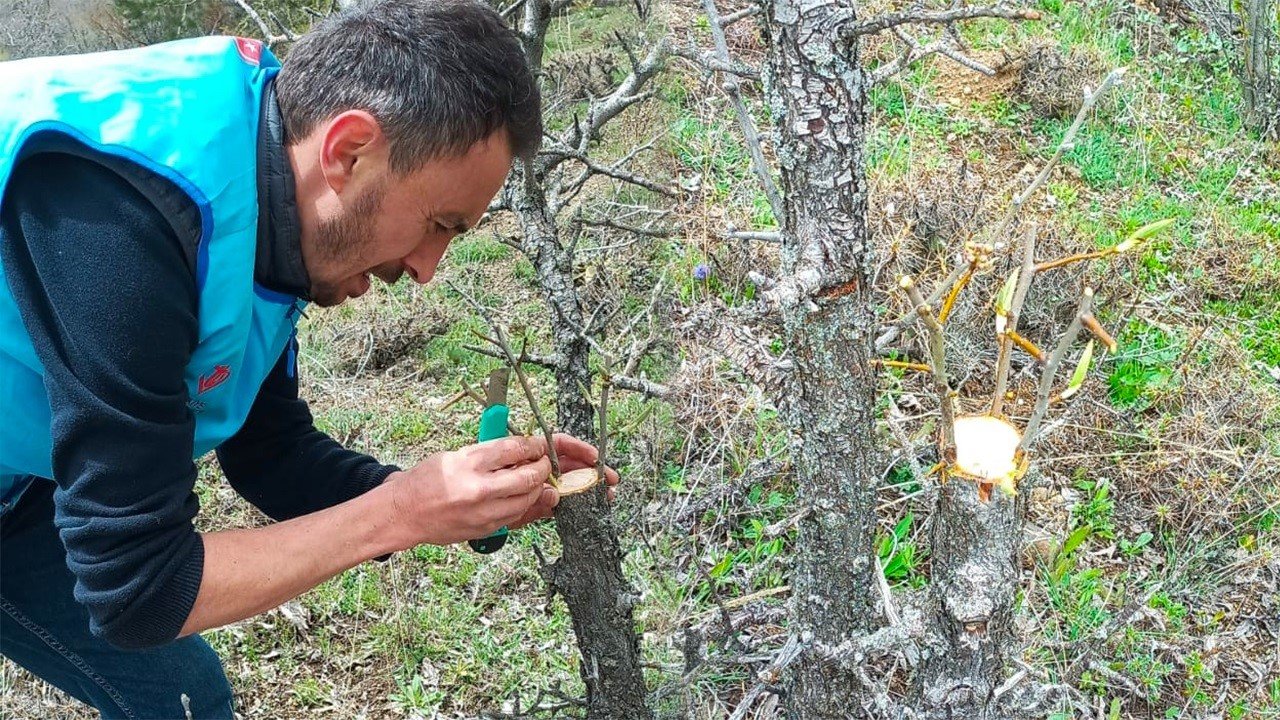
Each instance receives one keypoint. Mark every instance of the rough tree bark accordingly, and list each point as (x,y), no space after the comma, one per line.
(976,549)
(815,90)
(588,574)
(1259,47)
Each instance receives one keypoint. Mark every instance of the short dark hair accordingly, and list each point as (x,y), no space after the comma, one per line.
(439,75)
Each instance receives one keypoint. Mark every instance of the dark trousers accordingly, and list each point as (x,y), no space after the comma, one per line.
(44,629)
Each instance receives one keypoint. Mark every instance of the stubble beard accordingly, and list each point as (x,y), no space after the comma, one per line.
(342,245)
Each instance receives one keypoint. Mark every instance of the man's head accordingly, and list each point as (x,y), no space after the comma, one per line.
(402,119)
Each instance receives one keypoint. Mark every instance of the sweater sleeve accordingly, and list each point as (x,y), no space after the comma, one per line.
(104,287)
(282,464)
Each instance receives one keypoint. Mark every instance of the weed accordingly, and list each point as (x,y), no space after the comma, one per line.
(1144,367)
(1097,508)
(900,557)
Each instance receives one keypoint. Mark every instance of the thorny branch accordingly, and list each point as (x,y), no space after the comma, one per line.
(919,16)
(269,37)
(516,363)
(750,135)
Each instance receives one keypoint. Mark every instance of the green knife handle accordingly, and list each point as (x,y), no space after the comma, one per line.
(493,425)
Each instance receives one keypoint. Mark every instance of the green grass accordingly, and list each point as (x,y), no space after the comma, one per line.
(1143,369)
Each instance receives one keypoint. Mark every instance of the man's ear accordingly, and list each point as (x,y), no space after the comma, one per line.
(353,143)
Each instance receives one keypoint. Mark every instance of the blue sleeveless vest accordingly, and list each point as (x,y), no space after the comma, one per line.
(187,110)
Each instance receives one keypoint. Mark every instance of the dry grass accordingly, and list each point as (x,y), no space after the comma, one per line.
(1180,427)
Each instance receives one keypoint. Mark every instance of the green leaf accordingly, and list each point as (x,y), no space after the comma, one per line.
(1074,539)
(1082,370)
(1141,234)
(1004,299)
(902,528)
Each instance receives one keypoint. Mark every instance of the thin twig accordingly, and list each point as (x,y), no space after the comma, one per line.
(550,362)
(269,37)
(937,353)
(1060,262)
(500,340)
(950,301)
(760,235)
(1045,387)
(603,440)
(1025,275)
(1068,141)
(919,367)
(733,17)
(1027,346)
(936,17)
(752,138)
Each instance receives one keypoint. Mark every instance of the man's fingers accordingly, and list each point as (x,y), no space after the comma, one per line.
(568,446)
(506,452)
(542,508)
(523,479)
(516,510)
(575,454)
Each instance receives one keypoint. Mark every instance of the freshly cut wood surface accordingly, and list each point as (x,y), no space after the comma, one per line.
(578,481)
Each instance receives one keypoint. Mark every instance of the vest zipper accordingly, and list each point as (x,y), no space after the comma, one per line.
(291,364)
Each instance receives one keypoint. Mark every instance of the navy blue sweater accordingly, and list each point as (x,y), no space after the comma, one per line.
(100,257)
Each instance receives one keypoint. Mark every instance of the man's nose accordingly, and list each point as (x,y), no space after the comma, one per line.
(422,262)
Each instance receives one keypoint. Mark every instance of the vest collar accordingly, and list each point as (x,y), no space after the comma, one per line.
(279,263)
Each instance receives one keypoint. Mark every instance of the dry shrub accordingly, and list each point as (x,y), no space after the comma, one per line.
(917,217)
(382,338)
(580,74)
(1052,82)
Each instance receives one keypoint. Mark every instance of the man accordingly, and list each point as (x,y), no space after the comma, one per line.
(165,214)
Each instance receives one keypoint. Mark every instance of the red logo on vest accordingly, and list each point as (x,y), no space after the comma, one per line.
(250,50)
(214,379)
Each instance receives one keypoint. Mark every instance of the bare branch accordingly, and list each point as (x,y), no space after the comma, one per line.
(956,56)
(1045,388)
(617,173)
(760,235)
(626,94)
(1014,311)
(500,340)
(644,231)
(937,353)
(909,317)
(936,17)
(710,62)
(750,136)
(550,362)
(269,37)
(603,442)
(733,17)
(640,385)
(1068,142)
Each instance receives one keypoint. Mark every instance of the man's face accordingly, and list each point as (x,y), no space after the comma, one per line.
(402,223)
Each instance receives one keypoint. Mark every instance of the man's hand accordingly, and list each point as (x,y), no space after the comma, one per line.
(473,491)
(470,492)
(448,498)
(572,454)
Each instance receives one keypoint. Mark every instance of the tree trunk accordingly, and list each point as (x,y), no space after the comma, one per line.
(976,551)
(589,572)
(816,93)
(1259,84)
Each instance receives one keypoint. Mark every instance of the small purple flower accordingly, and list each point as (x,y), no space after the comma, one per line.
(701,272)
